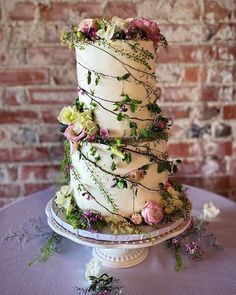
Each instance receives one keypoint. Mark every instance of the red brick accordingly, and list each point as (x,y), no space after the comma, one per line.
(18,117)
(191,74)
(3,135)
(52,96)
(15,96)
(179,94)
(30,188)
(223,73)
(51,55)
(50,133)
(23,76)
(1,34)
(22,154)
(210,93)
(56,152)
(190,167)
(216,9)
(182,149)
(50,115)
(229,112)
(89,9)
(120,9)
(8,173)
(38,172)
(11,190)
(23,11)
(218,148)
(4,155)
(226,52)
(61,11)
(206,112)
(176,112)
(186,53)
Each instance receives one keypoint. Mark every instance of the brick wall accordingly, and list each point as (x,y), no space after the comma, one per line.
(197,76)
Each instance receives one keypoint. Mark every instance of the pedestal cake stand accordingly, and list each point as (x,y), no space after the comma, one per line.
(116,251)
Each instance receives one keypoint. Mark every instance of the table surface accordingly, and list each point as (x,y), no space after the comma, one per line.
(215,274)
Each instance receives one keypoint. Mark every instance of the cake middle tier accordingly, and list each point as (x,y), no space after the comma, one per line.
(112,185)
(119,78)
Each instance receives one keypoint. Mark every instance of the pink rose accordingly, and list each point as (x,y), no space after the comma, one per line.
(89,27)
(149,27)
(73,136)
(136,218)
(152,213)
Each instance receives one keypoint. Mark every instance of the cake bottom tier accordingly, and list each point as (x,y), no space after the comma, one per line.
(98,187)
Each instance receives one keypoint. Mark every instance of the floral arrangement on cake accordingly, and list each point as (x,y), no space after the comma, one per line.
(85,135)
(114,29)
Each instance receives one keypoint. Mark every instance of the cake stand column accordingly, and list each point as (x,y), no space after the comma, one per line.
(121,257)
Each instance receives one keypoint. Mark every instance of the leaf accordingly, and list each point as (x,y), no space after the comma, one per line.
(124,77)
(97,79)
(113,166)
(127,158)
(89,78)
(175,168)
(133,107)
(161,167)
(133,127)
(146,167)
(115,150)
(178,161)
(154,108)
(119,116)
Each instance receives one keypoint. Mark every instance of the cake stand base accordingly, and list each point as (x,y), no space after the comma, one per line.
(120,258)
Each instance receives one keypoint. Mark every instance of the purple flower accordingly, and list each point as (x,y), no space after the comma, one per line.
(149,27)
(104,133)
(194,250)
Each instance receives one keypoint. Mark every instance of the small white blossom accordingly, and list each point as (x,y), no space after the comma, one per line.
(64,198)
(210,210)
(92,268)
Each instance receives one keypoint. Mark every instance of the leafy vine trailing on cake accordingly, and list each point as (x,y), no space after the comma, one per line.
(102,163)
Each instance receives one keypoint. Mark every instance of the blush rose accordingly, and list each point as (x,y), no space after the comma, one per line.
(152,213)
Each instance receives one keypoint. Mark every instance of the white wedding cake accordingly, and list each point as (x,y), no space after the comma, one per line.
(116,160)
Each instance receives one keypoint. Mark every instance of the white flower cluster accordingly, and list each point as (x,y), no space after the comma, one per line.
(64,198)
(210,210)
(111,27)
(92,268)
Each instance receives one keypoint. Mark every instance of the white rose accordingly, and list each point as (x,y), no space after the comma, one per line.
(210,210)
(92,268)
(106,34)
(64,198)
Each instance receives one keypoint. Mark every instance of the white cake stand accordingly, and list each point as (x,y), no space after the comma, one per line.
(115,253)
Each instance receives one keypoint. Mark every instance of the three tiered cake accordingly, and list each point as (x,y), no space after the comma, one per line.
(116,162)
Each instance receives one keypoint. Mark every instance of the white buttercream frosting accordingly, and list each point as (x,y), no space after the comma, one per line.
(111,61)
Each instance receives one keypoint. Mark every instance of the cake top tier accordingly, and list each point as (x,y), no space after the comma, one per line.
(114,29)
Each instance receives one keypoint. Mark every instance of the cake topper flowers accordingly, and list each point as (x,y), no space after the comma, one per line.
(113,29)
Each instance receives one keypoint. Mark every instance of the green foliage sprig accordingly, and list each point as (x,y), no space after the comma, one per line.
(102,284)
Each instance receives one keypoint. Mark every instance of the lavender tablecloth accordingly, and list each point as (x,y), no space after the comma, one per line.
(216,274)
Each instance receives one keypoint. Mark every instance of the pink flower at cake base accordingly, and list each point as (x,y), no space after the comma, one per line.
(136,218)
(149,27)
(152,213)
(73,136)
